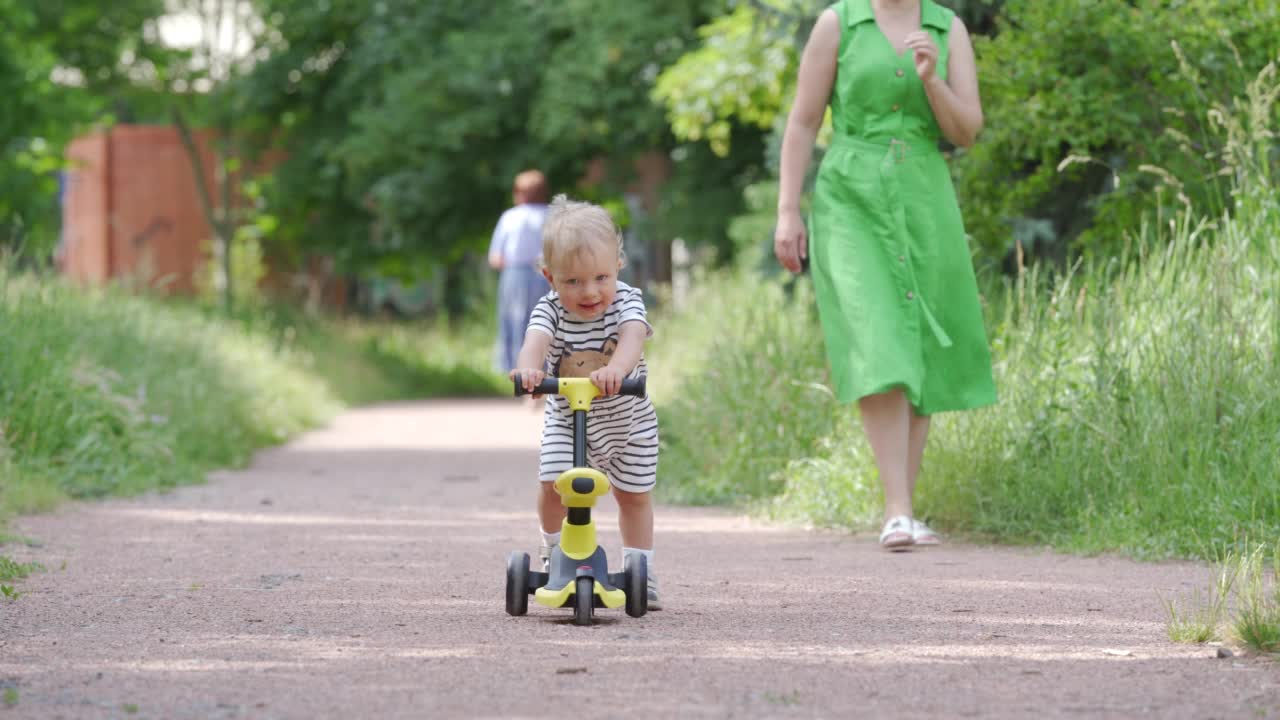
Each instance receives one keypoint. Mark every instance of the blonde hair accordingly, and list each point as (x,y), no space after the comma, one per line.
(573,228)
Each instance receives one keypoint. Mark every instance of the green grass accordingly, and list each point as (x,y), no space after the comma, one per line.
(1139,396)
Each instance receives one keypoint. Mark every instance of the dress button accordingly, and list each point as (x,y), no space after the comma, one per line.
(895,107)
(911,295)
(899,72)
(902,258)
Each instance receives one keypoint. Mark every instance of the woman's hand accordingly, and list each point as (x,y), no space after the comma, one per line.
(790,241)
(530,378)
(925,54)
(608,379)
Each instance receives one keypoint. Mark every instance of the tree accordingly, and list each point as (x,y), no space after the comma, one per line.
(225,38)
(413,117)
(64,65)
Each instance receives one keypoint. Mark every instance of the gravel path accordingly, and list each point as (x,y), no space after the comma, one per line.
(358,572)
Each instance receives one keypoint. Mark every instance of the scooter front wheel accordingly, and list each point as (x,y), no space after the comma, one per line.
(584,600)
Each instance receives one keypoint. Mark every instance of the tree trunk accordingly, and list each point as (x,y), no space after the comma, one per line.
(661,260)
(226,231)
(219,219)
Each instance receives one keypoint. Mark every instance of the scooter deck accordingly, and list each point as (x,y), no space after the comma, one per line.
(564,573)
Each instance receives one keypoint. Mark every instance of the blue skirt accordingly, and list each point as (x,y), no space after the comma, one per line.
(519,289)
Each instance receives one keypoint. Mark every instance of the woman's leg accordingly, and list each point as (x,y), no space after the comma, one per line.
(918,435)
(886,418)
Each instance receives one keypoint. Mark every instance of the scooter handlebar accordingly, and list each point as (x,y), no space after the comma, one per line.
(551,386)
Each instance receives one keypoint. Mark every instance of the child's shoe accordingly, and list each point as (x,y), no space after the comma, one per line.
(654,602)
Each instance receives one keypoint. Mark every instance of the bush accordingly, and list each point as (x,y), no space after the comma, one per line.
(1125,88)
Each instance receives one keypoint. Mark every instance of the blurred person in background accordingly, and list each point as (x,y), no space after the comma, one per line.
(514,253)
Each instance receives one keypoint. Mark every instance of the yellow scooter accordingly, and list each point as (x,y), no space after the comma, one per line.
(579,569)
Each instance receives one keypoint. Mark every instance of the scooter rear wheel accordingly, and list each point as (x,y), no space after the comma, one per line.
(518,583)
(583,600)
(635,570)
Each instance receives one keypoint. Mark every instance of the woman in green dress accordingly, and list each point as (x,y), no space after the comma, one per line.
(890,262)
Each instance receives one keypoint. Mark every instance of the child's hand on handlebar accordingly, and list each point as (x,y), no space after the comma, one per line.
(530,378)
(608,379)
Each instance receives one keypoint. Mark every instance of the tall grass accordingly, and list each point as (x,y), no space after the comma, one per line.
(105,393)
(740,385)
(1139,396)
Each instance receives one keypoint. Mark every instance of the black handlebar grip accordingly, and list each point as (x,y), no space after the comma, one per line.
(551,386)
(548,386)
(633,386)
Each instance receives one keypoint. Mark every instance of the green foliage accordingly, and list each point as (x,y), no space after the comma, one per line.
(705,190)
(415,117)
(591,95)
(61,68)
(742,74)
(1127,86)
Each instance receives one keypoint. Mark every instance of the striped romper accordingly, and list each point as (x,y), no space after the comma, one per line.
(622,431)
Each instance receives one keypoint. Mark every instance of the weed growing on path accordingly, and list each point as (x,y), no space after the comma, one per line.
(1257,618)
(11,570)
(1253,620)
(1199,618)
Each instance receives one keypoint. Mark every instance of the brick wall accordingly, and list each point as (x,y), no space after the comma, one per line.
(132,210)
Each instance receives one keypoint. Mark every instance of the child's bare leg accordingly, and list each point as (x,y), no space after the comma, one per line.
(886,420)
(550,509)
(635,523)
(635,519)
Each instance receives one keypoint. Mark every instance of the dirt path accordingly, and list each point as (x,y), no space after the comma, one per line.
(357,573)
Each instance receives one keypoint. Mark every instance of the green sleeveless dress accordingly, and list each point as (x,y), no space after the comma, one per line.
(890,262)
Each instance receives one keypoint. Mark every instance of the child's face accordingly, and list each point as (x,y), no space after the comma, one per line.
(587,282)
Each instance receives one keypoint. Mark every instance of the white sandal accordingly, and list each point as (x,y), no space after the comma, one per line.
(898,533)
(923,534)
